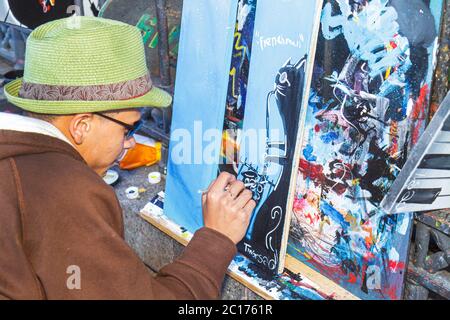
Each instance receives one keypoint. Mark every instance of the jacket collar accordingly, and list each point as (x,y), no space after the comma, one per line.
(14,122)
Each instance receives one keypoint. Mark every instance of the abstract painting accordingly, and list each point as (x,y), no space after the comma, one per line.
(237,85)
(368,106)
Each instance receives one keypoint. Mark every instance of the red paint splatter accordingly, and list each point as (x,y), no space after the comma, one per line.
(317,128)
(418,110)
(396,265)
(315,173)
(312,171)
(392,292)
(418,114)
(299,204)
(352,278)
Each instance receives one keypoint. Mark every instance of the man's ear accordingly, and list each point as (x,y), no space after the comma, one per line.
(79,127)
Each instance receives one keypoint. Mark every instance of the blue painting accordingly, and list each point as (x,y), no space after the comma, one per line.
(368,106)
(205,48)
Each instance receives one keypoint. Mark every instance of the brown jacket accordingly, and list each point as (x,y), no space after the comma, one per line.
(55,212)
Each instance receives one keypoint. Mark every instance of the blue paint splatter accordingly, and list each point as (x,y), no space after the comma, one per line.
(308,153)
(329,137)
(283,286)
(335,215)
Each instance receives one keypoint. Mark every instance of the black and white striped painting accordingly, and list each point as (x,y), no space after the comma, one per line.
(424,182)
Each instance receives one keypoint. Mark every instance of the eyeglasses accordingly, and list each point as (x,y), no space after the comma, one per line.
(131,128)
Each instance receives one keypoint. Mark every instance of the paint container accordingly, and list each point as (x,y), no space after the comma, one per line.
(154,177)
(132,193)
(146,152)
(111,177)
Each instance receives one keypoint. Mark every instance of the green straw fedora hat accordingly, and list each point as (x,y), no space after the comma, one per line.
(85,64)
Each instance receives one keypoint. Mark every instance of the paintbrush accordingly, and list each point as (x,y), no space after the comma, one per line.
(226,188)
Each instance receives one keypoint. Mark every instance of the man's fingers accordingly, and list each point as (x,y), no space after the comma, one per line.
(222,181)
(235,188)
(243,198)
(249,207)
(204,198)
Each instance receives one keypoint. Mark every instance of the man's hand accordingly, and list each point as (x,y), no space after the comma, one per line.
(227,207)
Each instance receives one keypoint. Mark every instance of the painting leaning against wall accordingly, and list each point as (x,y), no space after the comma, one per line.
(368,105)
(280,65)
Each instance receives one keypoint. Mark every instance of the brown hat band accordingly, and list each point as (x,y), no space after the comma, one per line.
(105,92)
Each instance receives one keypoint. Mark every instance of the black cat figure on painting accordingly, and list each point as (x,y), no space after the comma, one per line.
(288,93)
(283,103)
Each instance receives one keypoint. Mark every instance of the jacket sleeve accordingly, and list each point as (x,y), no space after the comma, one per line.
(199,271)
(78,252)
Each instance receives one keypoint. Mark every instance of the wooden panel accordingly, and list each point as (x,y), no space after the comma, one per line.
(324,285)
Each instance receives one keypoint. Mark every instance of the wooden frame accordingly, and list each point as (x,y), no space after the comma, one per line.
(326,286)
